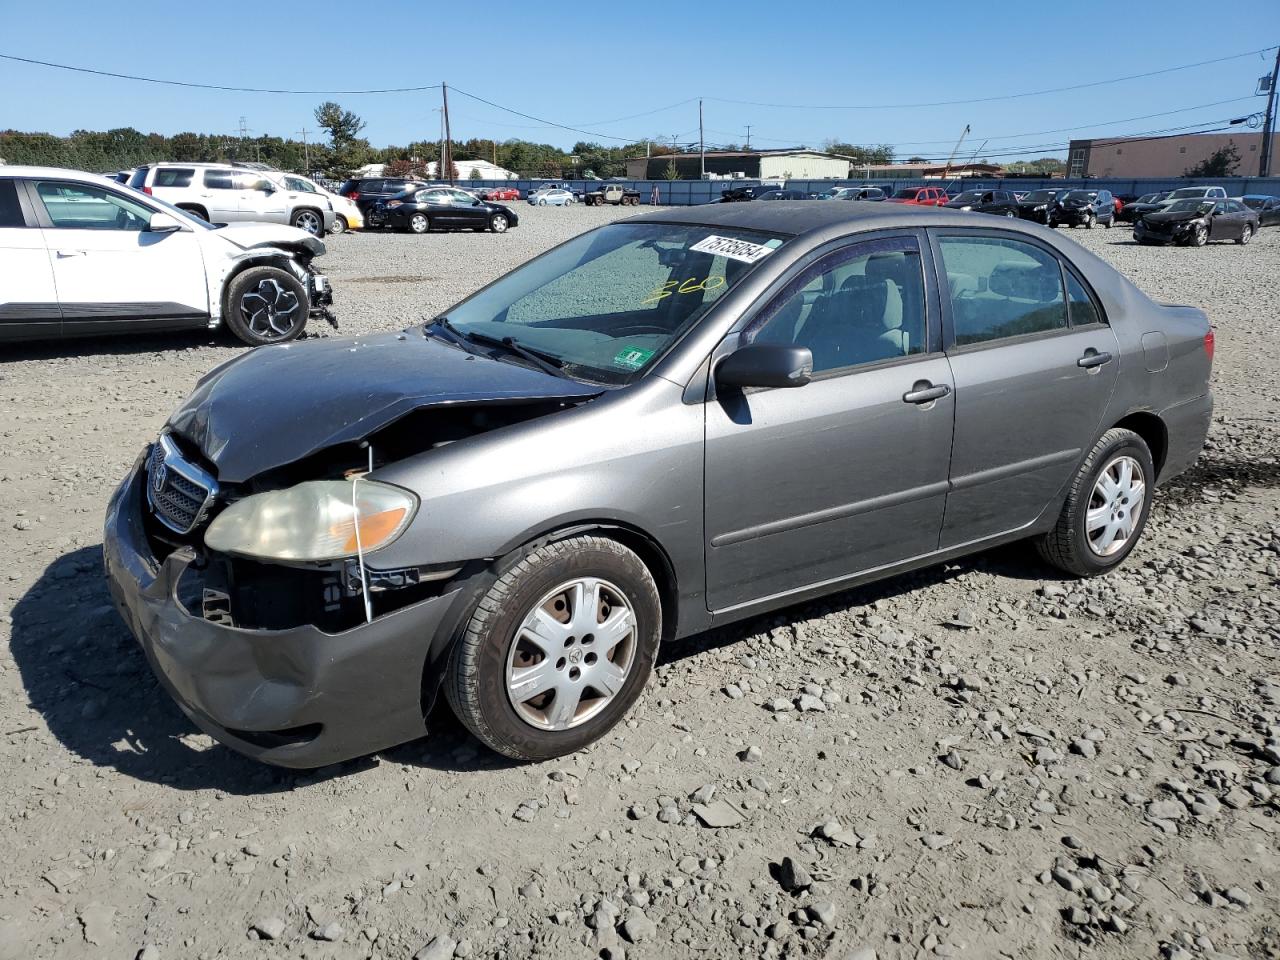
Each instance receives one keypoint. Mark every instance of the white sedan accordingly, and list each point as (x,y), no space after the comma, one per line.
(553,198)
(81,255)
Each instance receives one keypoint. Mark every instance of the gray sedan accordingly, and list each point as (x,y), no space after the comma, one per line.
(667,424)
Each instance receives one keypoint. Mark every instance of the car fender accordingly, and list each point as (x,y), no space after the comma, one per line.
(221,272)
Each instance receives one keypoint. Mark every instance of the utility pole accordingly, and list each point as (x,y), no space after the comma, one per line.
(702,146)
(1269,122)
(440,155)
(748,137)
(448,135)
(306,154)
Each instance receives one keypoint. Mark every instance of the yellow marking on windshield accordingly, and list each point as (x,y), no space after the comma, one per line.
(692,285)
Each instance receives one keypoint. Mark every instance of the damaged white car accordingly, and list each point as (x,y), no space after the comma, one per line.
(81,255)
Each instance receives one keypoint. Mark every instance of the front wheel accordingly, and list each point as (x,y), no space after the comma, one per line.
(266,305)
(558,649)
(1201,235)
(419,223)
(309,221)
(1106,508)
(1011,214)
(1088,221)
(498,223)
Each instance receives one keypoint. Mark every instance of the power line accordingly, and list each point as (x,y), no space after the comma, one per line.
(549,123)
(993,99)
(210,86)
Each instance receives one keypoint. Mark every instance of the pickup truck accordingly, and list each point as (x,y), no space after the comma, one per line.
(615,194)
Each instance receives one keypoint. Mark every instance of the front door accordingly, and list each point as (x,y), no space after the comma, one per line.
(468,210)
(806,486)
(113,273)
(28,298)
(1034,370)
(259,199)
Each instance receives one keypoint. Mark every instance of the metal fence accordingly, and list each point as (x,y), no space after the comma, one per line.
(692,192)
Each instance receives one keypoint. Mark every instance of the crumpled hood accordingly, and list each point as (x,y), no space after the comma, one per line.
(247,234)
(1179,217)
(275,405)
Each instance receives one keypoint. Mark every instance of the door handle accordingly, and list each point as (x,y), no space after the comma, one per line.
(70,253)
(925,392)
(1093,358)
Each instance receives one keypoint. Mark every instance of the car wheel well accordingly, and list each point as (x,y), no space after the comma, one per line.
(199,211)
(1153,432)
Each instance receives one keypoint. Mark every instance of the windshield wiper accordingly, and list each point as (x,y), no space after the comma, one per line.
(450,333)
(547,362)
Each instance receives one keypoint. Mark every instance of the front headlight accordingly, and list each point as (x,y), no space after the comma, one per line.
(317,520)
(966,208)
(1042,206)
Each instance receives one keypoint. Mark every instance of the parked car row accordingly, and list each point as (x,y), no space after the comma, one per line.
(1194,222)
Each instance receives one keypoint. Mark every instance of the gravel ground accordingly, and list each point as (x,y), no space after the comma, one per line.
(978,760)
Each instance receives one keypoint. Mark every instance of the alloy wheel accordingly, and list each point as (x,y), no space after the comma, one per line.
(1115,506)
(499,223)
(309,222)
(269,310)
(419,223)
(572,654)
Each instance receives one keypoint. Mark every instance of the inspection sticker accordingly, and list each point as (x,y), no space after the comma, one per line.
(733,249)
(632,358)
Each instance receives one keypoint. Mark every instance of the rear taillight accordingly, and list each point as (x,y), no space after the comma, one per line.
(353,195)
(147,191)
(1208,345)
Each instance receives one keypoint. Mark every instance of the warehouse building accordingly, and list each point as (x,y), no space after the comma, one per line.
(1161,156)
(749,164)
(926,171)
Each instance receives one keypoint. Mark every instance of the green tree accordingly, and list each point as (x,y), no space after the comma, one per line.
(672,172)
(350,150)
(861,156)
(475,174)
(1221,163)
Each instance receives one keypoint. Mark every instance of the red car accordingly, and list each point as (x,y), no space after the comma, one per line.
(920,196)
(501,193)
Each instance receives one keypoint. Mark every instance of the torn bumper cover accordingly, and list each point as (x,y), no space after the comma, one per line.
(297,697)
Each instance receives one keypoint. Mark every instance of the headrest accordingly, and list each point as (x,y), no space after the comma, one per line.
(1025,281)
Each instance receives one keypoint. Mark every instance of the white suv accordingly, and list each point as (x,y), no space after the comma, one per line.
(83,255)
(222,193)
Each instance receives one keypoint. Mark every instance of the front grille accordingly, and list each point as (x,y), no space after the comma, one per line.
(178,491)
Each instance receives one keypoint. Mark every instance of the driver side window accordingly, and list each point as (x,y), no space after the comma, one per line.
(74,206)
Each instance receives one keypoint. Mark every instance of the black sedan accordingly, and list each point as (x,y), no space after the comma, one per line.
(1147,203)
(1267,208)
(999,202)
(445,208)
(1193,223)
(1037,205)
(784,195)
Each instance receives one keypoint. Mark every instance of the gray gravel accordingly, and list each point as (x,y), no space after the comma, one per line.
(978,760)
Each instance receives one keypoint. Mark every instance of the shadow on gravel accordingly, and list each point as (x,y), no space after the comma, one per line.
(1211,471)
(121,346)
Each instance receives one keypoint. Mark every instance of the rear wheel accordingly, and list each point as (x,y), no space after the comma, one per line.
(558,648)
(1246,234)
(1106,508)
(310,221)
(1011,214)
(197,212)
(266,305)
(339,224)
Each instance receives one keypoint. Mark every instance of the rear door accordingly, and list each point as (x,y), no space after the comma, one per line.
(1034,363)
(220,193)
(111,272)
(28,297)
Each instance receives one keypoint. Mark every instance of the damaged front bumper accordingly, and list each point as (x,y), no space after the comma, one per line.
(296,697)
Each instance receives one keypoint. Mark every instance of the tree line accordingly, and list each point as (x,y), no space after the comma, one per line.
(343,150)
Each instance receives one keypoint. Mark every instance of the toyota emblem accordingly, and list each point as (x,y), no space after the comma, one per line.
(158,476)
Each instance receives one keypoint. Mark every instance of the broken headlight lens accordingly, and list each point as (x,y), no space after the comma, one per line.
(317,520)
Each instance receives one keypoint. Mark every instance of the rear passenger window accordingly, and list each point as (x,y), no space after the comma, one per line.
(218,180)
(174,178)
(1001,288)
(1083,310)
(10,212)
(861,305)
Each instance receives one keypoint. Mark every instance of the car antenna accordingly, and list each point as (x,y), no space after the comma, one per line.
(355,520)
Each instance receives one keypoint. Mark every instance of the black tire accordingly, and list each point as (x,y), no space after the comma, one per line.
(1199,237)
(195,211)
(246,320)
(1088,221)
(498,223)
(418,223)
(308,219)
(476,678)
(1246,234)
(1067,545)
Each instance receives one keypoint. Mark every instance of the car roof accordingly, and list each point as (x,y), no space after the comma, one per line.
(62,173)
(803,217)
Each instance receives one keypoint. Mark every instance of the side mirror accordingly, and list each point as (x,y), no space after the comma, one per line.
(162,222)
(267,187)
(766,365)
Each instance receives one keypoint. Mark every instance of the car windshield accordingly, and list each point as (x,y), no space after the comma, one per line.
(1191,206)
(609,303)
(1187,192)
(1146,198)
(1081,195)
(1040,196)
(906,193)
(969,196)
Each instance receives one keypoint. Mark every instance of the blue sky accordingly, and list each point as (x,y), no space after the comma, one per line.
(575,70)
